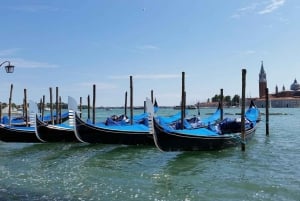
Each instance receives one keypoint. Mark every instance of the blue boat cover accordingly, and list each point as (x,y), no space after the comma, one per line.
(122,123)
(212,129)
(212,119)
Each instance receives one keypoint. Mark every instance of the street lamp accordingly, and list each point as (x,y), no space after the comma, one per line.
(9,68)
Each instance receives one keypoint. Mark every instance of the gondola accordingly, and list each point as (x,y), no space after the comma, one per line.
(17,134)
(21,120)
(135,134)
(54,133)
(115,132)
(11,133)
(226,133)
(37,132)
(125,133)
(59,132)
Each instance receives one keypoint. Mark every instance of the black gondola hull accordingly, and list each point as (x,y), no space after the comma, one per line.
(10,134)
(93,134)
(50,133)
(171,141)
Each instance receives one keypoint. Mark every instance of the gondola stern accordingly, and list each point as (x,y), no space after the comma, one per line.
(76,125)
(38,123)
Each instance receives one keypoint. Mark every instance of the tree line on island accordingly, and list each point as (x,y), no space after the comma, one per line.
(227,100)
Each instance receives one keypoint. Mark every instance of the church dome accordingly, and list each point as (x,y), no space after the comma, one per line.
(295,86)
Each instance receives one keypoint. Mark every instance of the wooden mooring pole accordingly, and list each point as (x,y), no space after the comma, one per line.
(152,97)
(125,106)
(94,104)
(0,112)
(267,112)
(198,108)
(56,105)
(243,139)
(184,105)
(80,107)
(51,106)
(88,107)
(43,108)
(9,103)
(25,107)
(60,105)
(182,99)
(131,101)
(40,107)
(221,103)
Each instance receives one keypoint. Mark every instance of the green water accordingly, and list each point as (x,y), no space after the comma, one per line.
(268,170)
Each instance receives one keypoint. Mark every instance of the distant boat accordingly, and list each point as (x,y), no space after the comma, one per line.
(190,107)
(138,107)
(14,111)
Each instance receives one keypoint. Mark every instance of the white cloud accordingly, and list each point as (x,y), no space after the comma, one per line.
(147,47)
(9,52)
(33,8)
(245,10)
(236,16)
(248,52)
(22,63)
(259,8)
(272,6)
(249,8)
(153,76)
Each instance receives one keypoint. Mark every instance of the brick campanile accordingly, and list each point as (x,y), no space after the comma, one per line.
(262,81)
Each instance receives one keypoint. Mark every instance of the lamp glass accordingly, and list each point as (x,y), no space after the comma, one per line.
(9,68)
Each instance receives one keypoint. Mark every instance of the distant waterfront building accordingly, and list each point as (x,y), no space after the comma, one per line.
(295,86)
(280,99)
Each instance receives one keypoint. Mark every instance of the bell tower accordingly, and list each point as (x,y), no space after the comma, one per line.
(262,81)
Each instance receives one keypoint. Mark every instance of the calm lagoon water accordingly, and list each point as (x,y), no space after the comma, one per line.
(268,170)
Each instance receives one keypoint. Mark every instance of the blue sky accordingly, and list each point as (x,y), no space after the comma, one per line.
(74,44)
